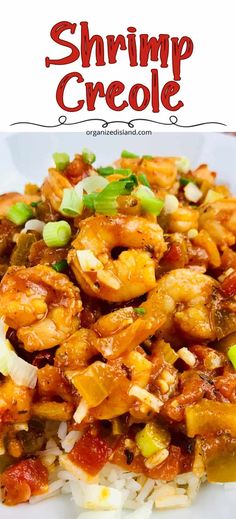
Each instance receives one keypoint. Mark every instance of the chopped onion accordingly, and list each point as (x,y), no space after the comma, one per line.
(92,184)
(192,192)
(21,372)
(34,225)
(88,261)
(81,411)
(147,398)
(96,497)
(171,204)
(182,164)
(192,233)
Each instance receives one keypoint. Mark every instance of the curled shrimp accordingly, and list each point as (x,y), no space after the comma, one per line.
(41,304)
(161,172)
(219,220)
(9,199)
(133,273)
(180,300)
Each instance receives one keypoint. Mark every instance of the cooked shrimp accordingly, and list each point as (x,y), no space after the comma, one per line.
(219,220)
(161,172)
(76,351)
(133,273)
(181,299)
(9,199)
(41,304)
(53,186)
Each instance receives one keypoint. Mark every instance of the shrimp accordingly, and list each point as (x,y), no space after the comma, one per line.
(9,199)
(133,273)
(41,304)
(181,299)
(161,172)
(219,220)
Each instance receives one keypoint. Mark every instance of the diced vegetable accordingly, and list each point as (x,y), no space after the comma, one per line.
(90,453)
(164,348)
(94,383)
(21,251)
(232,355)
(19,213)
(60,266)
(219,456)
(192,192)
(109,170)
(143,179)
(209,416)
(61,160)
(20,481)
(60,411)
(88,201)
(21,372)
(34,225)
(72,202)
(171,204)
(148,200)
(140,368)
(128,155)
(184,181)
(88,156)
(151,439)
(182,164)
(106,201)
(57,234)
(92,184)
(81,411)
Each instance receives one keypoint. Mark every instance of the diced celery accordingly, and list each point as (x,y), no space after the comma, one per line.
(151,439)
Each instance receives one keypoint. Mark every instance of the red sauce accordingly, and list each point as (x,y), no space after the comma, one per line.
(20,481)
(228,287)
(91,453)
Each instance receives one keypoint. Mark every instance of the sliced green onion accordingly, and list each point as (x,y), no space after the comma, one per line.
(232,355)
(92,184)
(106,201)
(60,266)
(35,204)
(184,181)
(88,201)
(147,157)
(88,156)
(19,213)
(148,200)
(139,311)
(61,160)
(109,170)
(151,439)
(128,155)
(56,234)
(143,179)
(72,202)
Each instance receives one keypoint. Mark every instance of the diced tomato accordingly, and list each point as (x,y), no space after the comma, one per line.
(228,287)
(175,256)
(193,390)
(91,453)
(20,481)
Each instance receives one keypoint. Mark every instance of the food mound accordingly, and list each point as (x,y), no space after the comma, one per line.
(118,334)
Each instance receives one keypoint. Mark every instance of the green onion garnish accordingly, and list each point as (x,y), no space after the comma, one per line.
(184,181)
(60,266)
(232,355)
(88,201)
(106,201)
(128,155)
(61,160)
(19,213)
(105,172)
(35,204)
(72,202)
(139,311)
(92,184)
(88,156)
(56,234)
(143,179)
(148,200)
(147,157)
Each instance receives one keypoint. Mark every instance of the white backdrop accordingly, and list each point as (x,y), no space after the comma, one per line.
(27,87)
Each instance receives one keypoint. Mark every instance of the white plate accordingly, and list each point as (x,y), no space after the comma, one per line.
(26,157)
